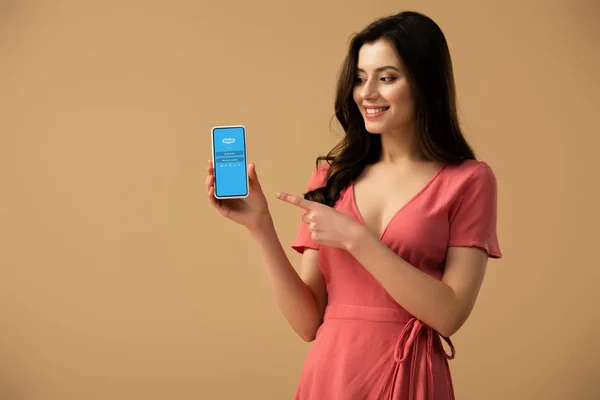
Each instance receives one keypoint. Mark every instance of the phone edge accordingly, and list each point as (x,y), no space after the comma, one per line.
(212,153)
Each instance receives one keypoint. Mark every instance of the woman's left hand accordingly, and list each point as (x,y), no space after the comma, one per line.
(326,225)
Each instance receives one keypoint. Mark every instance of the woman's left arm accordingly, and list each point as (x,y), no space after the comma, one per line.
(442,304)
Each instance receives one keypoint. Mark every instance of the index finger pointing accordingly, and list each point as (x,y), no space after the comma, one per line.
(295,200)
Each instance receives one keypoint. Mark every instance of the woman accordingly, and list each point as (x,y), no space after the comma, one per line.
(397,226)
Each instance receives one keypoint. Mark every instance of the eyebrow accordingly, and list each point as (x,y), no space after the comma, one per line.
(380,69)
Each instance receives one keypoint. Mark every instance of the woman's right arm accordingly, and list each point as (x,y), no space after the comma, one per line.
(302,296)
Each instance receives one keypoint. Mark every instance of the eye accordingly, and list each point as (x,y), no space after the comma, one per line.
(388,79)
(358,80)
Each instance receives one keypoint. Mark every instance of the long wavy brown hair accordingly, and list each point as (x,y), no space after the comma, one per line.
(423,49)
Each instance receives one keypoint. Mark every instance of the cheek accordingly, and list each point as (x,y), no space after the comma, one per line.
(401,99)
(399,96)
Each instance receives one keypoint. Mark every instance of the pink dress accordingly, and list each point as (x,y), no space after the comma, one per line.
(369,347)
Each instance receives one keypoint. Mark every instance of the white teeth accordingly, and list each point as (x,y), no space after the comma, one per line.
(375,110)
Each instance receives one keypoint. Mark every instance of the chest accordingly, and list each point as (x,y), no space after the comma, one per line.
(412,221)
(379,199)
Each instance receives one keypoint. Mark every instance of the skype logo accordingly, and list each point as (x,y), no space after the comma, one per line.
(228,140)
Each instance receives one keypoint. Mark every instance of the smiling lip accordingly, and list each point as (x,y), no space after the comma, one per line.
(369,114)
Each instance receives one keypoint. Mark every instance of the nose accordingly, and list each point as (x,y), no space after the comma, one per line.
(369,91)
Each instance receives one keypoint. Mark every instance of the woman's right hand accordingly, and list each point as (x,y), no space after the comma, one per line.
(251,212)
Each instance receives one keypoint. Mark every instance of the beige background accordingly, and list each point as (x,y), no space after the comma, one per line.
(118,281)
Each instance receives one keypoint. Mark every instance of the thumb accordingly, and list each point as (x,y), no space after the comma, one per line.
(252,172)
(253,177)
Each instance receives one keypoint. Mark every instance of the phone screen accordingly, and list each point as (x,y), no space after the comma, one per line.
(229,157)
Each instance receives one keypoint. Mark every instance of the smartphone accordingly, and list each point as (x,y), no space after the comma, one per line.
(230,161)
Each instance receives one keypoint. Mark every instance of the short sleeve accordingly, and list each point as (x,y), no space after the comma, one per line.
(473,223)
(303,239)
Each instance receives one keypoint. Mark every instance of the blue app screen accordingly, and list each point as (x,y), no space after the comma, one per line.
(230,162)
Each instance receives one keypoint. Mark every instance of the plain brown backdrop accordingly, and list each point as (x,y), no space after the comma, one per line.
(117,279)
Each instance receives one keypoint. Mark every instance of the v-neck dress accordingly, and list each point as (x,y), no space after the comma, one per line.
(369,347)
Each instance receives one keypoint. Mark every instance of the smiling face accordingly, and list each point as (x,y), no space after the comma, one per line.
(382,90)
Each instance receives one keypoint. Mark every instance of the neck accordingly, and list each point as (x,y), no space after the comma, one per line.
(400,147)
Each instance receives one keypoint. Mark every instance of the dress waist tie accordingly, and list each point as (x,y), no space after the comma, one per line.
(411,336)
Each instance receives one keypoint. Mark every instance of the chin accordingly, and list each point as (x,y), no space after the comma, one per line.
(374,128)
